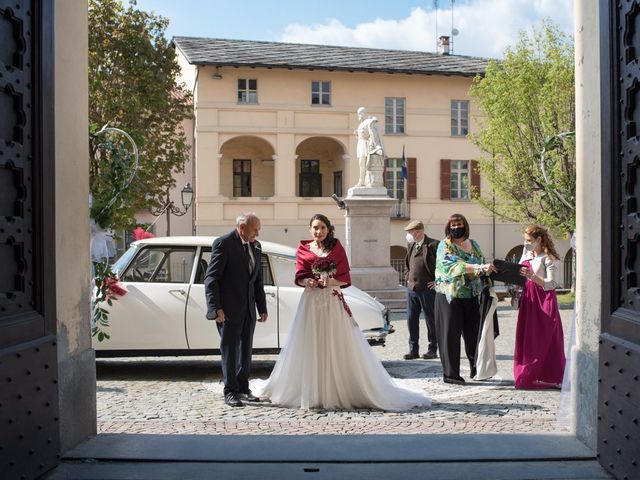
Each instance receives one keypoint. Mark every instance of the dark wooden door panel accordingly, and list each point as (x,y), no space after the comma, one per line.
(29,430)
(619,354)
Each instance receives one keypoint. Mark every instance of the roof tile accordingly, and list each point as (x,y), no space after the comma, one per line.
(221,52)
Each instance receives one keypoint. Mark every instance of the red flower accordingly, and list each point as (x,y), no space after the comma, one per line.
(323,266)
(140,234)
(344,302)
(115,289)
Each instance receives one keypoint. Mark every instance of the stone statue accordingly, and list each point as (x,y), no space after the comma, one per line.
(370,151)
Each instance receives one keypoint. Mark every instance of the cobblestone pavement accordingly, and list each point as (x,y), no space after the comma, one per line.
(184,396)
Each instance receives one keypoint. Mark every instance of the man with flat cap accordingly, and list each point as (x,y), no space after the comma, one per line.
(420,263)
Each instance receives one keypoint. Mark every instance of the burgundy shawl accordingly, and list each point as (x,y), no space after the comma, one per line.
(305,258)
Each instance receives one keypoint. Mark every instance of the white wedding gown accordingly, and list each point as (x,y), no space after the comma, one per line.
(327,363)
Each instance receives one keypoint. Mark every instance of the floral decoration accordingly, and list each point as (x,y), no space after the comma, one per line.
(337,293)
(323,267)
(107,289)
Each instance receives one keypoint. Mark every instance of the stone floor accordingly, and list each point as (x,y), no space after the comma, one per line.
(184,396)
(366,457)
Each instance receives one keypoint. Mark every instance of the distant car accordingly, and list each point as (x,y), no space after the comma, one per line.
(163,311)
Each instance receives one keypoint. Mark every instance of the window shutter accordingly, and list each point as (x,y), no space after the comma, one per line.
(445,179)
(475,178)
(412,190)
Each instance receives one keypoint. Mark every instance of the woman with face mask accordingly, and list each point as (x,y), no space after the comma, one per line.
(460,265)
(538,360)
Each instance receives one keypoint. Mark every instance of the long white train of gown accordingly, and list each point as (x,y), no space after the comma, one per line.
(328,363)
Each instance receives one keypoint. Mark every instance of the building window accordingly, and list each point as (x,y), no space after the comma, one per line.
(337,183)
(242,178)
(394,180)
(394,115)
(460,179)
(247,90)
(310,178)
(320,93)
(459,118)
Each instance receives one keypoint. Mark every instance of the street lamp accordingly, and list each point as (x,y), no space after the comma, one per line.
(171,208)
(187,197)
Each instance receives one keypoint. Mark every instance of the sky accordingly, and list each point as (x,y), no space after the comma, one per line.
(486,27)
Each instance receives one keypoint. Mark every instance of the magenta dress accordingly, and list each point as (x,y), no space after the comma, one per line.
(538,360)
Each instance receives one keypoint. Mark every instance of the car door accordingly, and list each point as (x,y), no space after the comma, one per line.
(283,269)
(203,333)
(151,315)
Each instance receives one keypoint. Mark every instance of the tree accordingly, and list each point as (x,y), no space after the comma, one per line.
(526,131)
(133,86)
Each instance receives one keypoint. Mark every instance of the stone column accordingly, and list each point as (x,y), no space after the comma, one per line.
(584,355)
(207,165)
(76,358)
(285,167)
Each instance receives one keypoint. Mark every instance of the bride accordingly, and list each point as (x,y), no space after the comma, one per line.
(327,362)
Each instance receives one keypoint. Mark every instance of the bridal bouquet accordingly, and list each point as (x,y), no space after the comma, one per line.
(323,268)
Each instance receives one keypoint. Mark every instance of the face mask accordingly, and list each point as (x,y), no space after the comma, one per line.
(410,238)
(530,246)
(457,232)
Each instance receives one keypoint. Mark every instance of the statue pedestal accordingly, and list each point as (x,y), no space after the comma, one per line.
(368,243)
(367,192)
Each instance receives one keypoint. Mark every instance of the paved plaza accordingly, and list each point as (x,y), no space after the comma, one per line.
(184,396)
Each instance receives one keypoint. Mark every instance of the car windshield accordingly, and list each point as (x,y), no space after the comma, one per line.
(124,260)
(284,270)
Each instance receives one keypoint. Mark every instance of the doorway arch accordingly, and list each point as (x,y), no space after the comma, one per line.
(397,262)
(247,167)
(320,167)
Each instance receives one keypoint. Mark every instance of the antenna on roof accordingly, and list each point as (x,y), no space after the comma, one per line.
(435,7)
(454,31)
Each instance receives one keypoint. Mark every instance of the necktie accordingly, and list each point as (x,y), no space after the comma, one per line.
(249,258)
(418,248)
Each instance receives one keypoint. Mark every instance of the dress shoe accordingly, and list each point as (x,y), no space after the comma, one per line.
(454,380)
(411,356)
(232,400)
(248,396)
(429,355)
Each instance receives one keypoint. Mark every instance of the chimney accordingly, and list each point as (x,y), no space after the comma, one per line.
(444,45)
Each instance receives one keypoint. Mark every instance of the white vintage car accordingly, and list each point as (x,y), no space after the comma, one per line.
(163,311)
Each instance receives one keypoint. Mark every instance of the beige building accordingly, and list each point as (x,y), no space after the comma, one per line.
(274,127)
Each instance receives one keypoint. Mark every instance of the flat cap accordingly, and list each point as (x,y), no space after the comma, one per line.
(415,225)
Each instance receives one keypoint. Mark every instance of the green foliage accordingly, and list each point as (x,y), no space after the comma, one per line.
(104,279)
(116,168)
(133,86)
(566,298)
(528,107)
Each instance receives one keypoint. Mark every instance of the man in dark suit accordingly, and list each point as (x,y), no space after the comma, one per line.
(234,288)
(420,263)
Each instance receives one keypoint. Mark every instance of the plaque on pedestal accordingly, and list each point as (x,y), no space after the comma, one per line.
(367,192)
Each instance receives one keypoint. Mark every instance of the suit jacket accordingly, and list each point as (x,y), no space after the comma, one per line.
(228,285)
(420,271)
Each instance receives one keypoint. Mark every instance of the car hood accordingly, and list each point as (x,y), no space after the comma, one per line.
(355,292)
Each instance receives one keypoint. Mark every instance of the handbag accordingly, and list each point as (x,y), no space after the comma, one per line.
(515,297)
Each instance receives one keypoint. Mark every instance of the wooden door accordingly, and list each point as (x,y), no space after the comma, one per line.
(618,445)
(29,432)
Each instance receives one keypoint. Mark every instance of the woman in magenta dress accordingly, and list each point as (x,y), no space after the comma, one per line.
(326,361)
(538,360)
